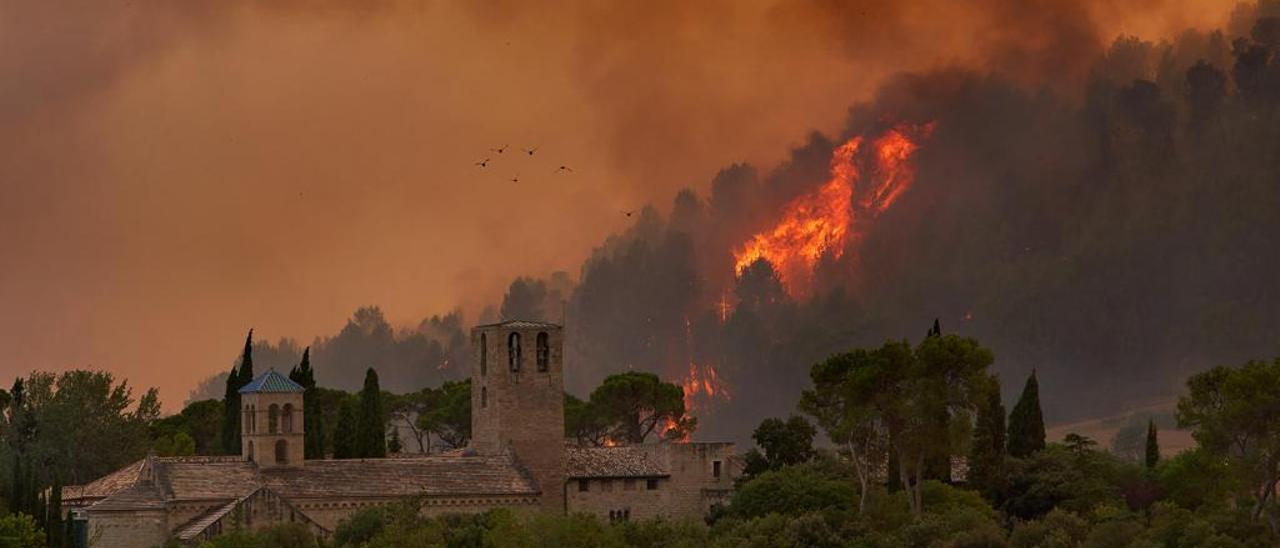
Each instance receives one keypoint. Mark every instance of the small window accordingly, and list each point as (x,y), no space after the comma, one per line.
(513,352)
(651,484)
(484,354)
(584,485)
(544,352)
(250,450)
(273,418)
(715,469)
(629,484)
(286,418)
(282,452)
(484,396)
(626,514)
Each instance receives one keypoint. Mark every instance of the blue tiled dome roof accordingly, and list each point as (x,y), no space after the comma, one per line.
(271,381)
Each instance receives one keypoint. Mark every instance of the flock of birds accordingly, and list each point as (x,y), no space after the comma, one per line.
(563,169)
(484,164)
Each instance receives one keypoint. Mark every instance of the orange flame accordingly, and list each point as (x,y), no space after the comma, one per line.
(820,223)
(812,225)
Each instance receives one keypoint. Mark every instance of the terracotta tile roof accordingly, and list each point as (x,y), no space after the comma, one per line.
(216,478)
(612,462)
(141,496)
(104,486)
(271,382)
(432,475)
(229,479)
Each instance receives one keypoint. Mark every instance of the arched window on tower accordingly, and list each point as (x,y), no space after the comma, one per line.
(513,352)
(253,419)
(544,351)
(286,418)
(484,354)
(247,421)
(484,396)
(273,419)
(282,452)
(250,450)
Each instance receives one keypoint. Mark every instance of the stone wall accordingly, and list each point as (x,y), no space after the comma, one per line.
(128,529)
(629,497)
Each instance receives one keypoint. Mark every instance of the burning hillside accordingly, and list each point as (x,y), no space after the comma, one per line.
(821,222)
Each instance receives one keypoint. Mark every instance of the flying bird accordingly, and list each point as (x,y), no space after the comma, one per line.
(628,213)
(530,151)
(516,179)
(483,163)
(564,168)
(499,150)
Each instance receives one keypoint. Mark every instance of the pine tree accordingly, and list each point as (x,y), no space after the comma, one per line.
(313,428)
(1153,445)
(344,437)
(986,460)
(1026,422)
(371,432)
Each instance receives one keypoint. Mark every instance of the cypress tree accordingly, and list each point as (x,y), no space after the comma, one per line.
(53,524)
(372,429)
(1026,422)
(246,361)
(312,427)
(344,437)
(986,460)
(231,415)
(236,379)
(1153,445)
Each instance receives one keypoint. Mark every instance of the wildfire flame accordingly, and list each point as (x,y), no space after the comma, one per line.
(821,222)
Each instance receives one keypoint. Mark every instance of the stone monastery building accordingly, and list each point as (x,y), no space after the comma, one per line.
(517,459)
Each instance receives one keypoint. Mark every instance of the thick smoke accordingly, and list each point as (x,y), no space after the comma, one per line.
(1116,238)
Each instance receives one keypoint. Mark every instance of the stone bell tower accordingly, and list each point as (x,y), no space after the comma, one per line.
(517,399)
(271,424)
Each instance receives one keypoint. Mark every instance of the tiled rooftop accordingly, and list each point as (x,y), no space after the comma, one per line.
(271,382)
(612,462)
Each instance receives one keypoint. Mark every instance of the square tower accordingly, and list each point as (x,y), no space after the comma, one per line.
(272,426)
(517,399)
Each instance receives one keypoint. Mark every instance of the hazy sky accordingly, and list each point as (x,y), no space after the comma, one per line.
(173,173)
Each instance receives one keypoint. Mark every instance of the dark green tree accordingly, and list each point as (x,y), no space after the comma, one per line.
(1153,445)
(780,443)
(635,404)
(240,376)
(1026,422)
(371,430)
(987,456)
(393,441)
(583,423)
(230,442)
(313,425)
(447,414)
(344,436)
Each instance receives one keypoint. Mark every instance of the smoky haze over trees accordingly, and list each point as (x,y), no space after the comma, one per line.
(1112,228)
(1115,240)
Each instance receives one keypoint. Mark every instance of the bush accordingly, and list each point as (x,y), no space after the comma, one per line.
(792,490)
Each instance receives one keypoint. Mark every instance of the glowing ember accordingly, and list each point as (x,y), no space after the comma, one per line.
(820,223)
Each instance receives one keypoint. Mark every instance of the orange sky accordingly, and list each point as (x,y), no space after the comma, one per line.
(171,175)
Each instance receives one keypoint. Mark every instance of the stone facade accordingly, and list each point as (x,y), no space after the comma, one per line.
(517,459)
(517,399)
(670,480)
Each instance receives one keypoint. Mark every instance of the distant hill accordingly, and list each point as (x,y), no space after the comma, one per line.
(1125,432)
